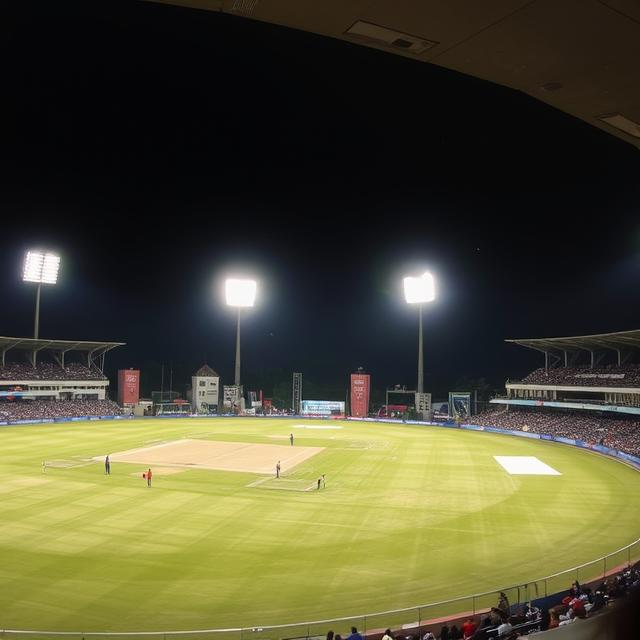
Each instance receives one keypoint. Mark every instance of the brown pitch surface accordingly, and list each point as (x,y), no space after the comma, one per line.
(213,454)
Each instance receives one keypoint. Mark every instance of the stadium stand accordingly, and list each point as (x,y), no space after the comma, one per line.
(42,409)
(611,431)
(609,376)
(42,384)
(24,372)
(597,403)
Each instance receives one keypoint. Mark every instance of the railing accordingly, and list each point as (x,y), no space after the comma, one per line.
(412,620)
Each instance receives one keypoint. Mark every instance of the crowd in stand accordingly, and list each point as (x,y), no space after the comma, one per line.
(39,409)
(609,376)
(49,371)
(612,432)
(506,622)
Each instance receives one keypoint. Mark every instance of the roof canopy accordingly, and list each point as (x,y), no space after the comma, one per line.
(93,350)
(620,341)
(32,344)
(579,57)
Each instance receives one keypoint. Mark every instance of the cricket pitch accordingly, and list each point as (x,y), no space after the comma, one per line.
(213,454)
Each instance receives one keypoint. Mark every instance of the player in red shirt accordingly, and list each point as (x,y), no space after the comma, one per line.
(149,474)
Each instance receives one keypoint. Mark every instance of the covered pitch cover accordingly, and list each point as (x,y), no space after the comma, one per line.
(360,384)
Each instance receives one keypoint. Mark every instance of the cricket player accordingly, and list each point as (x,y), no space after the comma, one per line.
(107,466)
(148,477)
(291,438)
(278,469)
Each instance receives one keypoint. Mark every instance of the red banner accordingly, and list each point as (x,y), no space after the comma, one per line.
(360,383)
(128,386)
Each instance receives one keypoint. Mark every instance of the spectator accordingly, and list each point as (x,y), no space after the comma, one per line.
(468,628)
(503,605)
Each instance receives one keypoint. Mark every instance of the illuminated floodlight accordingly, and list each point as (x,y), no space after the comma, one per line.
(419,290)
(41,267)
(240,293)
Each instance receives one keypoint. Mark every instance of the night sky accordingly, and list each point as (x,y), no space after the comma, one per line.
(159,149)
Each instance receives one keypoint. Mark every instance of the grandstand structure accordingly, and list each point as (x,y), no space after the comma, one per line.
(36,369)
(597,372)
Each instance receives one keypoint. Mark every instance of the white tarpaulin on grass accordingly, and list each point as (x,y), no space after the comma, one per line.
(526,466)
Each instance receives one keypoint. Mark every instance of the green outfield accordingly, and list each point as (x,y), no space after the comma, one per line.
(409,515)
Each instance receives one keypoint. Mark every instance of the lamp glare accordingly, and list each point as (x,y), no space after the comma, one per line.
(240,293)
(41,267)
(419,290)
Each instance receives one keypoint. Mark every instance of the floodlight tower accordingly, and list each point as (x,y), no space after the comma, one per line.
(239,294)
(418,291)
(42,268)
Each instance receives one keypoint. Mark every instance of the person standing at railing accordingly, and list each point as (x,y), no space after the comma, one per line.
(503,604)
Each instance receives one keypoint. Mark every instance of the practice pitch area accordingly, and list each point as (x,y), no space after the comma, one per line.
(406,515)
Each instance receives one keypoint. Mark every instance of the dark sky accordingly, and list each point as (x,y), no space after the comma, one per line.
(159,149)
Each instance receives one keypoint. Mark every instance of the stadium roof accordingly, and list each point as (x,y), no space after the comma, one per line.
(580,57)
(32,344)
(620,341)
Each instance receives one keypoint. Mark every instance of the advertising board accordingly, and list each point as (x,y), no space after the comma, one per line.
(322,408)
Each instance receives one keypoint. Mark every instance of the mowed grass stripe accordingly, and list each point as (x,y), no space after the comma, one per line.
(409,515)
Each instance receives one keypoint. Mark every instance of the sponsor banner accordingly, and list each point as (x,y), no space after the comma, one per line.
(565,440)
(3,424)
(527,434)
(128,386)
(475,427)
(614,376)
(360,388)
(544,436)
(628,457)
(322,407)
(459,404)
(25,421)
(231,395)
